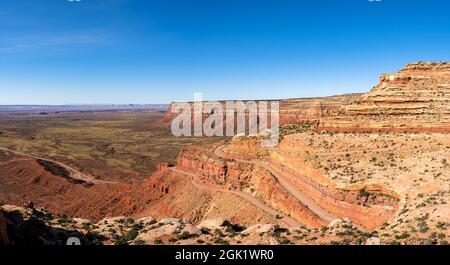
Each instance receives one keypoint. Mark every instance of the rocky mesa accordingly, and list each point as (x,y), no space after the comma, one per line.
(416,99)
(351,169)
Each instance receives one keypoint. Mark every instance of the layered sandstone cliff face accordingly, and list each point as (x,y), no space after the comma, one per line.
(369,205)
(399,177)
(413,100)
(393,183)
(168,193)
(162,194)
(292,111)
(219,174)
(311,110)
(246,146)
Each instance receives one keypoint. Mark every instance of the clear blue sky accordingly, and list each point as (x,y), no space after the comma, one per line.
(151,51)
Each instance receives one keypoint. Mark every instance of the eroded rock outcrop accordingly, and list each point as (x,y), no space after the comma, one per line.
(416,99)
(369,206)
(234,175)
(39,227)
(161,194)
(292,111)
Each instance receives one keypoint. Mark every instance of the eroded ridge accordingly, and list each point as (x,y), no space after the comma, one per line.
(367,204)
(416,99)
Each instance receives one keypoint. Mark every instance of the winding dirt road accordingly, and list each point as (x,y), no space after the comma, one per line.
(75,174)
(286,219)
(299,195)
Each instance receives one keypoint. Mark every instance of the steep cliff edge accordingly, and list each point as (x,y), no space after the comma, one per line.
(416,99)
(367,205)
(251,179)
(292,111)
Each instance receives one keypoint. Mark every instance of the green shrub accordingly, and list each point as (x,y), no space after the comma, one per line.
(205,230)
(363,193)
(120,241)
(284,241)
(218,232)
(403,235)
(184,235)
(393,242)
(131,234)
(221,241)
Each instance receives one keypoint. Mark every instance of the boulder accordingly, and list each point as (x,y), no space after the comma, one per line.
(213,223)
(262,229)
(373,241)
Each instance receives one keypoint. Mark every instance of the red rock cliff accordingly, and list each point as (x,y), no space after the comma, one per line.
(416,99)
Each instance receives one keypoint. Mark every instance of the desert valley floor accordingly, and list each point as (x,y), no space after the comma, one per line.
(367,168)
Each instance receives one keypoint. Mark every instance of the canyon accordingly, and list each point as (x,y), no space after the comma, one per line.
(351,169)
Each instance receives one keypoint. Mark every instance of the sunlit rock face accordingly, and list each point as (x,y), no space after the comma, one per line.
(291,111)
(416,99)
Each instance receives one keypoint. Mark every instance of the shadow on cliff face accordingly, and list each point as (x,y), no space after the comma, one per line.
(60,171)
